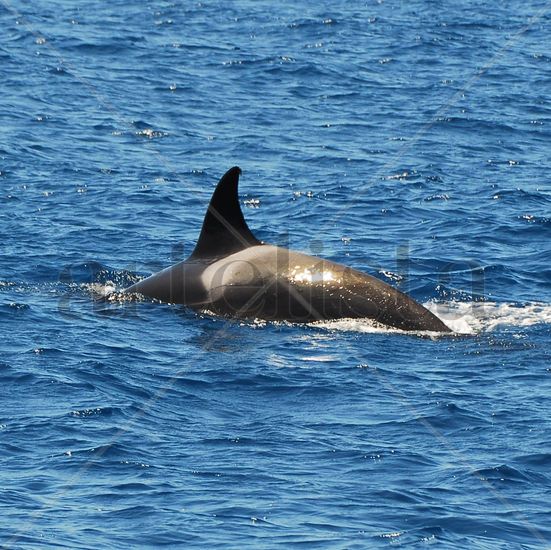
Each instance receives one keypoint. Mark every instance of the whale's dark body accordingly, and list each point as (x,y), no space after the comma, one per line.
(231,273)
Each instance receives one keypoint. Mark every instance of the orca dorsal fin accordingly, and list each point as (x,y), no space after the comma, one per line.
(224,230)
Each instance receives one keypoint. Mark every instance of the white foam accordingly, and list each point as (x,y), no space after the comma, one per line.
(354,325)
(474,317)
(101,290)
(461,317)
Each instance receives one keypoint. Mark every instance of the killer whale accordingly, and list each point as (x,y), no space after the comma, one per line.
(231,273)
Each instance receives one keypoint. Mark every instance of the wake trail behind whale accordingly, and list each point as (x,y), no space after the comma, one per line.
(467,318)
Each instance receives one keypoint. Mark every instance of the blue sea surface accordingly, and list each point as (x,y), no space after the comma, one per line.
(411,140)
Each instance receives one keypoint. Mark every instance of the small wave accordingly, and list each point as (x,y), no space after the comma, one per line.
(311,23)
(505,473)
(98,411)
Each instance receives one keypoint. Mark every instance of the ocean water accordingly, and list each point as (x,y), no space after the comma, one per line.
(408,139)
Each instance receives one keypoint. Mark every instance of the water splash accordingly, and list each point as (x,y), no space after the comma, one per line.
(466,318)
(475,317)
